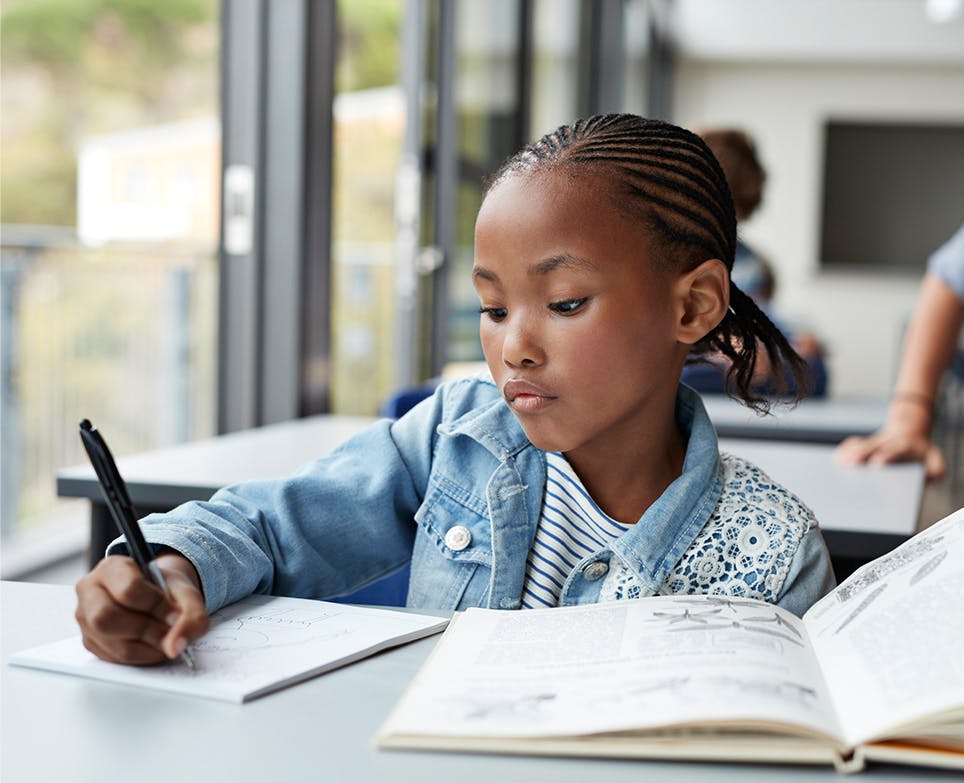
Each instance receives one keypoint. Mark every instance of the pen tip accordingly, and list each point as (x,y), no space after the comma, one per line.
(85,424)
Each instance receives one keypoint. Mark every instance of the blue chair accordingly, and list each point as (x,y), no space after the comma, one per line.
(708,378)
(391,590)
(403,400)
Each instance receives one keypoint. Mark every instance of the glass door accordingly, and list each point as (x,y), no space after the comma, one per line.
(481,73)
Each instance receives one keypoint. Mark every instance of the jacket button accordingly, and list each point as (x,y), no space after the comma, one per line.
(457,538)
(596,570)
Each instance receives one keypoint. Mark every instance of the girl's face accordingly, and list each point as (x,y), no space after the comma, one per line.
(578,328)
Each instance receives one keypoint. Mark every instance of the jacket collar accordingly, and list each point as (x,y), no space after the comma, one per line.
(493,425)
(665,531)
(653,546)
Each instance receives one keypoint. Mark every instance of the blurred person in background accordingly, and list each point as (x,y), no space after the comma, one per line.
(930,347)
(752,273)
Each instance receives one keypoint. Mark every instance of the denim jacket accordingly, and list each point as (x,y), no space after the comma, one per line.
(455,487)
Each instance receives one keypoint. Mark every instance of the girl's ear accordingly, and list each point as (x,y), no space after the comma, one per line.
(703,295)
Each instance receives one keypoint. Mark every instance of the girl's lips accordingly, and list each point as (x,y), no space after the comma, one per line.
(526,397)
(529,403)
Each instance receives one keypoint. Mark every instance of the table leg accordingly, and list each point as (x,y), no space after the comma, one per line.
(102,532)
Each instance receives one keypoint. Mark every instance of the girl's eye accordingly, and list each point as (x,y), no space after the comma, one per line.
(495,313)
(567,306)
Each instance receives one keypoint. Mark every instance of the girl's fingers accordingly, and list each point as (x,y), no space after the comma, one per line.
(121,615)
(105,618)
(125,651)
(190,619)
(129,588)
(125,618)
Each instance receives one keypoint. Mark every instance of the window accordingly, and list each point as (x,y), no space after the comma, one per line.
(369,122)
(111,155)
(356,137)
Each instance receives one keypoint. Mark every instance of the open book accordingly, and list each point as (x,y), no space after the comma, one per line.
(875,670)
(255,646)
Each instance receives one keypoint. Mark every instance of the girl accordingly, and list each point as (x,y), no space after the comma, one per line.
(579,470)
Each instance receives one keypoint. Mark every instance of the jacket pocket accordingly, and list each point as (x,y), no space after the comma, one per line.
(452,556)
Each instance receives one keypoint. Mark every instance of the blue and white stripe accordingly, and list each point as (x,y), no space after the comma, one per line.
(571,527)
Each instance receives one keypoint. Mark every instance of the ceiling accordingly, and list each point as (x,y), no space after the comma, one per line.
(871,31)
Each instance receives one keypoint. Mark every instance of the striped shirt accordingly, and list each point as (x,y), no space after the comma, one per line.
(571,527)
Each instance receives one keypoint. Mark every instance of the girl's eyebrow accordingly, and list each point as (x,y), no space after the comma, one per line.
(481,273)
(562,261)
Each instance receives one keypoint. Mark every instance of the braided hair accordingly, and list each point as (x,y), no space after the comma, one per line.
(668,178)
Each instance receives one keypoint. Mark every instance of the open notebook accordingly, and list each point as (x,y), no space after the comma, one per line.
(255,646)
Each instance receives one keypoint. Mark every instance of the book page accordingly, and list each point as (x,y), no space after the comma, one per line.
(616,666)
(255,646)
(890,638)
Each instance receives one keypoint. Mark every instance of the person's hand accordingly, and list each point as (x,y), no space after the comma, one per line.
(124,618)
(893,445)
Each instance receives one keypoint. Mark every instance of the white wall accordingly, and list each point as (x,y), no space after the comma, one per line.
(784,107)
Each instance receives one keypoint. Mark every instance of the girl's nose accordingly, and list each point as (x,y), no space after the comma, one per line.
(522,346)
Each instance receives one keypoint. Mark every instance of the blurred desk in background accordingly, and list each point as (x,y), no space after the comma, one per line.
(864,511)
(812,421)
(164,478)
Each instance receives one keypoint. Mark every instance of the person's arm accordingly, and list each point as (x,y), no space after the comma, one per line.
(810,576)
(338,523)
(928,350)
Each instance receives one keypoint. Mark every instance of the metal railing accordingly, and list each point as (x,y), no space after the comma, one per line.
(123,335)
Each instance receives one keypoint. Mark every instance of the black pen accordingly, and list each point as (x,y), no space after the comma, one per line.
(122,510)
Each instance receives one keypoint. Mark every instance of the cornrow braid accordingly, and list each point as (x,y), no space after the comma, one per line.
(667,177)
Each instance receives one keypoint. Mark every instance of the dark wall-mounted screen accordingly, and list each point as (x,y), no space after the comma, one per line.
(892,194)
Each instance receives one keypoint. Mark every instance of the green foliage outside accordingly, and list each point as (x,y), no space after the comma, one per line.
(368,44)
(73,68)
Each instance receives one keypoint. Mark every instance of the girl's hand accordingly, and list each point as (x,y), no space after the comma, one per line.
(124,618)
(893,445)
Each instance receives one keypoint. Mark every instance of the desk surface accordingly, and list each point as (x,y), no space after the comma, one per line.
(62,728)
(195,470)
(827,420)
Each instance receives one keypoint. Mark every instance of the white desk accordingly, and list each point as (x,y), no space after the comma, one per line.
(812,421)
(62,728)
